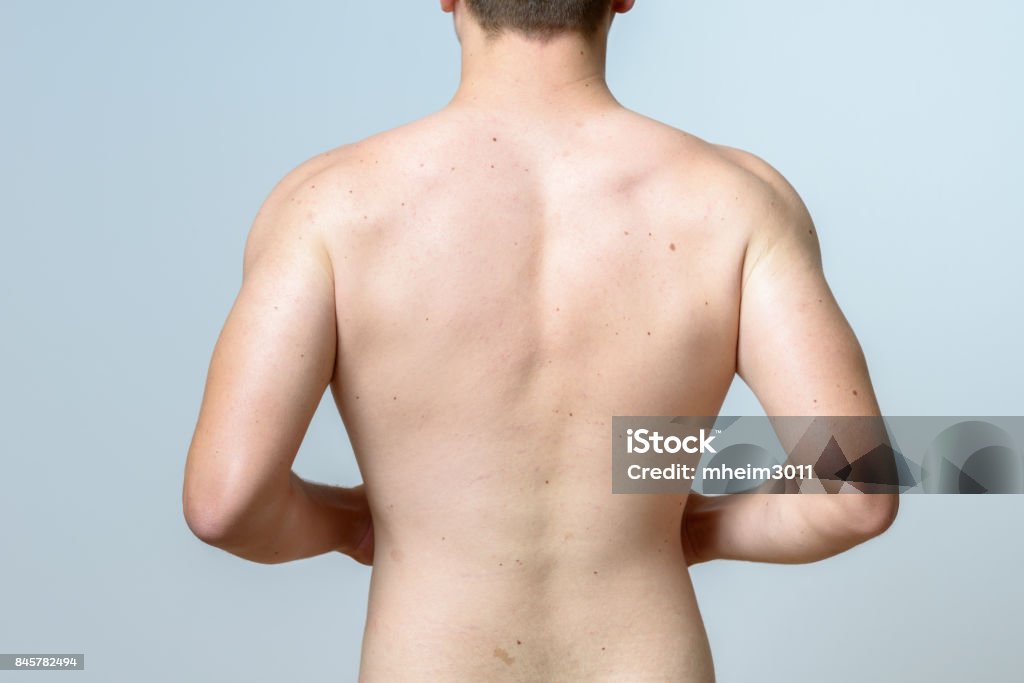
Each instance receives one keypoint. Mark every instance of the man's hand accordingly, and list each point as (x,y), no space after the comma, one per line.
(691,539)
(363,552)
(352,510)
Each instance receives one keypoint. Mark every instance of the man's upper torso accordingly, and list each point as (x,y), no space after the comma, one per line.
(503,287)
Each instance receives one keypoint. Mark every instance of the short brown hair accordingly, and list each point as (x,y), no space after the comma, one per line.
(541,18)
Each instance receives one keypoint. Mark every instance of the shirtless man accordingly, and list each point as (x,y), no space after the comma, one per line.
(482,290)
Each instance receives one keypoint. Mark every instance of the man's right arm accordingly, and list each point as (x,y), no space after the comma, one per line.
(800,357)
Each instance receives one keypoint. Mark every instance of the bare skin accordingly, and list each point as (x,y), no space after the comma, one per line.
(482,290)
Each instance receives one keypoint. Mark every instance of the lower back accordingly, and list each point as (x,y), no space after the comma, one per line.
(491,579)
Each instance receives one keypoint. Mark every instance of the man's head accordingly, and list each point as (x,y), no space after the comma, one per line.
(541,18)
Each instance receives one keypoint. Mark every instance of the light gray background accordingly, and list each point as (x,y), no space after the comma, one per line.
(139,139)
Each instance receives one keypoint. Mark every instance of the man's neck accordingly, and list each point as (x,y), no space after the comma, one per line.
(515,74)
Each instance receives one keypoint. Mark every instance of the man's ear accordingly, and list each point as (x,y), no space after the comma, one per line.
(447,5)
(619,6)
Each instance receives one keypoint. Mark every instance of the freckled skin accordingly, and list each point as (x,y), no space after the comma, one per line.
(477,380)
(508,377)
(500,439)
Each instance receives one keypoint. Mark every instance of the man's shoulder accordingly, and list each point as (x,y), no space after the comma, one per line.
(772,209)
(359,162)
(727,173)
(335,191)
(764,188)
(750,191)
(304,200)
(332,164)
(321,185)
(744,190)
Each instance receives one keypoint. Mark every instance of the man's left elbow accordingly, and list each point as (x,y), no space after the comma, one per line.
(871,514)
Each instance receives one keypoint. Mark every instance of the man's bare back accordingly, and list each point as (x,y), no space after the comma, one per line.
(497,285)
(503,290)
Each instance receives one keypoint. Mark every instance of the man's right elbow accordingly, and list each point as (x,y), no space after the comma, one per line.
(209,521)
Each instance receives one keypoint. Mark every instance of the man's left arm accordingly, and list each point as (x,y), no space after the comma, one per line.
(272,363)
(799,355)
